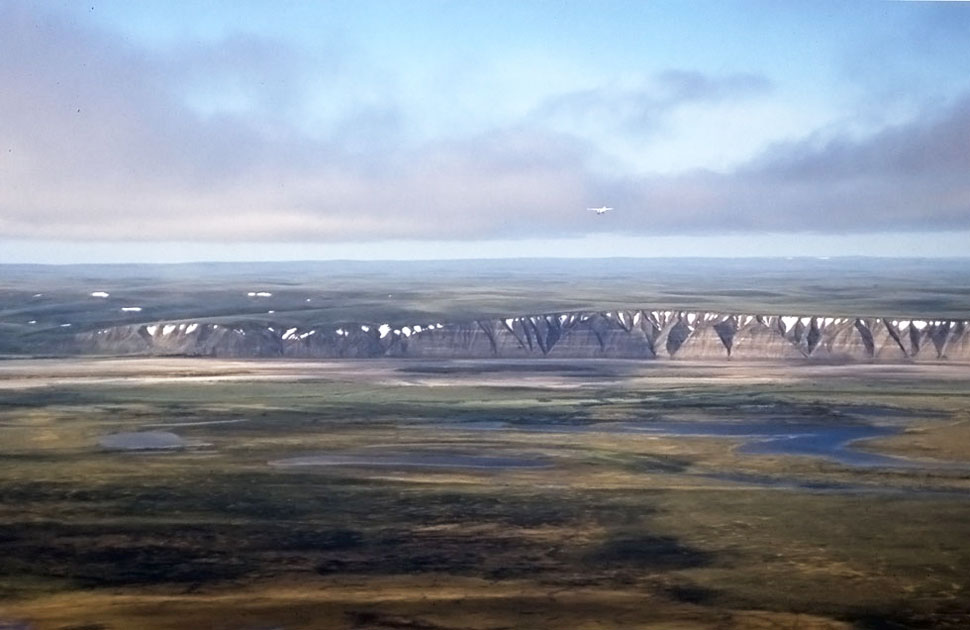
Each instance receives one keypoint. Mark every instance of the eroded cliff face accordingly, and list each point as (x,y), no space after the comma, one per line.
(632,334)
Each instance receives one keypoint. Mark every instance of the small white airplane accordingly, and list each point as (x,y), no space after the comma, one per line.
(600,210)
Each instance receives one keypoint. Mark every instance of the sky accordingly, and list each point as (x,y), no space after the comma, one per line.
(174,131)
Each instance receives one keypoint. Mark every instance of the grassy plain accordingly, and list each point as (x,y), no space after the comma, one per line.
(617,530)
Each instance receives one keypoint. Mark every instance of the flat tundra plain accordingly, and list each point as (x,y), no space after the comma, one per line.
(442,494)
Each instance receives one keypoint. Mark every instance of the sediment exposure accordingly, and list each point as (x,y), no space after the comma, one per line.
(632,334)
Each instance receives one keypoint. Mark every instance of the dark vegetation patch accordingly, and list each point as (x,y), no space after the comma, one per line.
(406,552)
(45,397)
(124,564)
(734,405)
(894,619)
(655,463)
(233,526)
(318,540)
(756,405)
(911,616)
(649,552)
(690,593)
(379,621)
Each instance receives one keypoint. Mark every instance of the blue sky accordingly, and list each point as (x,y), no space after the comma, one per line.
(255,130)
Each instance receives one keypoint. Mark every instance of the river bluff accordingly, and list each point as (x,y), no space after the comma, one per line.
(628,334)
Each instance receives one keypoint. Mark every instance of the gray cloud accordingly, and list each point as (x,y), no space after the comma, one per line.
(928,147)
(99,144)
(908,177)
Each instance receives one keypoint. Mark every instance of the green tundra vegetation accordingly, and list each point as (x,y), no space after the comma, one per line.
(456,495)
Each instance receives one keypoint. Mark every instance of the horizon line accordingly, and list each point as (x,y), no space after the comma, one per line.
(484,259)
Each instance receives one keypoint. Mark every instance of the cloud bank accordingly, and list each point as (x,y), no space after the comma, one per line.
(102,140)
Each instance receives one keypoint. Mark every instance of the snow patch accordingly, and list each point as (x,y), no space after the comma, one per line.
(191,329)
(33,321)
(365,328)
(65,325)
(100,294)
(289,333)
(788,321)
(130,309)
(151,330)
(168,328)
(384,330)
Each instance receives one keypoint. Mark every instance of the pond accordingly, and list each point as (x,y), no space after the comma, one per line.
(141,441)
(830,439)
